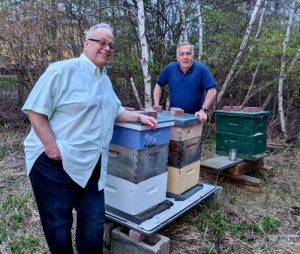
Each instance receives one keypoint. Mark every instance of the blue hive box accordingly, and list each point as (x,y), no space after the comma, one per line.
(139,136)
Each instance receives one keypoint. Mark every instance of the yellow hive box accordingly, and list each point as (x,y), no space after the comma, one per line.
(182,179)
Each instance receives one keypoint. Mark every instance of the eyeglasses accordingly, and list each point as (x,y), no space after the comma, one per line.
(103,44)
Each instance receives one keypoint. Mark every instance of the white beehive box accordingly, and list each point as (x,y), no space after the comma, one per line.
(133,198)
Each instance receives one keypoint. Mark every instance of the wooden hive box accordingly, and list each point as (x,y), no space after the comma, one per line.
(180,180)
(179,133)
(137,165)
(134,198)
(182,153)
(139,136)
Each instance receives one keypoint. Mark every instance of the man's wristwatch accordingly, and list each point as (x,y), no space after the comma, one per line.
(204,109)
(139,118)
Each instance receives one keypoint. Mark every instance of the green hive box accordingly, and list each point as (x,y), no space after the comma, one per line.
(244,131)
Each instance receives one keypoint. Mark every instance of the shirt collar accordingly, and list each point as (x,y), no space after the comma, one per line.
(89,66)
(189,70)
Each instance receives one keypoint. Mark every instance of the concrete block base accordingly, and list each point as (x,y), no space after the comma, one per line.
(108,228)
(122,244)
(136,236)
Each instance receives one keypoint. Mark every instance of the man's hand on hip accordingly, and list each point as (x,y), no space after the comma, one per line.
(52,151)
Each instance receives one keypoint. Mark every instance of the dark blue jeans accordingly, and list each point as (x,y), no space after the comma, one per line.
(56,195)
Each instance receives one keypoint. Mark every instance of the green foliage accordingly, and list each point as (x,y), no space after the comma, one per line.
(207,250)
(210,140)
(5,80)
(241,230)
(14,217)
(296,145)
(3,152)
(13,211)
(215,222)
(269,223)
(24,243)
(232,200)
(15,148)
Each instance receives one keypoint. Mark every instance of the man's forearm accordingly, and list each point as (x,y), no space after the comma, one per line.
(42,128)
(128,116)
(157,94)
(131,116)
(209,98)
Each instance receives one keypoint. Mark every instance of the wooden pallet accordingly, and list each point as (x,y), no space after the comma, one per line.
(237,174)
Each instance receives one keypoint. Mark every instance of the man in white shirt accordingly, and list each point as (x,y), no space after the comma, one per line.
(72,110)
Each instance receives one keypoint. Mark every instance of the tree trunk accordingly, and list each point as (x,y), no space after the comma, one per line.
(136,94)
(266,102)
(251,84)
(282,74)
(144,54)
(200,30)
(250,51)
(183,21)
(241,50)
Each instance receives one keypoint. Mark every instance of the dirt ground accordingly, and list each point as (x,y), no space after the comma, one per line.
(245,221)
(275,210)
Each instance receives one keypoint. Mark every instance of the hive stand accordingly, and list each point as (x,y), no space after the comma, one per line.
(121,238)
(221,168)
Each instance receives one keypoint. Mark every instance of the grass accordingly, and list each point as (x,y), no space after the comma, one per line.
(20,231)
(296,144)
(8,79)
(245,222)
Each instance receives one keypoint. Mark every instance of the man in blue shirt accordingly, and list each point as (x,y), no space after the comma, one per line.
(72,109)
(187,80)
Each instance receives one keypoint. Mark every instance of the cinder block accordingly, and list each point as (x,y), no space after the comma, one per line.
(122,244)
(227,108)
(108,228)
(180,180)
(136,236)
(151,112)
(157,108)
(148,112)
(216,198)
(237,108)
(177,111)
(251,109)
(143,112)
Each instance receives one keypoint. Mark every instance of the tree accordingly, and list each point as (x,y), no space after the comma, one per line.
(200,42)
(282,74)
(144,53)
(183,21)
(240,52)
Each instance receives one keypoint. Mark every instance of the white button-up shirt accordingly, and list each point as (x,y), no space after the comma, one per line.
(81,106)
